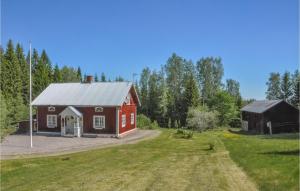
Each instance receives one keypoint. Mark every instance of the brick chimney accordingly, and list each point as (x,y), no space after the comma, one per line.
(89,79)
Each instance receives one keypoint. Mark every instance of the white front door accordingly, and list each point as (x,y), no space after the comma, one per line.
(69,125)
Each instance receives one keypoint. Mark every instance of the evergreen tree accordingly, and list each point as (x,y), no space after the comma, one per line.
(144,89)
(119,79)
(24,67)
(190,97)
(96,78)
(11,84)
(46,61)
(163,102)
(79,76)
(41,77)
(103,78)
(57,77)
(4,120)
(274,90)
(34,60)
(286,87)
(295,89)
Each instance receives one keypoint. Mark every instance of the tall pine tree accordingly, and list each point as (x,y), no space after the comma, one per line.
(79,75)
(296,89)
(96,78)
(190,97)
(103,78)
(41,77)
(24,66)
(286,87)
(57,77)
(11,84)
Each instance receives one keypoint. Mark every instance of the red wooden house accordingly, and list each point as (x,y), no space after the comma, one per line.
(90,108)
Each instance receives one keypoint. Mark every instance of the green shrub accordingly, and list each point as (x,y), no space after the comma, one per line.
(211,146)
(235,122)
(185,134)
(143,122)
(200,119)
(154,125)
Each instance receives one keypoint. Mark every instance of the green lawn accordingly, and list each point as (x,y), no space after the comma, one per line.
(163,163)
(272,161)
(166,163)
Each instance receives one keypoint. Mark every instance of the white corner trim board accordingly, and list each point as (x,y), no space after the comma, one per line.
(127,132)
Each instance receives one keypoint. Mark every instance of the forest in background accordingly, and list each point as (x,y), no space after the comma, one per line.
(173,96)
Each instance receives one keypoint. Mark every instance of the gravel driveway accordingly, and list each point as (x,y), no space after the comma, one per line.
(18,146)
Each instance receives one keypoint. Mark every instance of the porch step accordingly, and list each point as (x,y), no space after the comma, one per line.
(92,135)
(69,136)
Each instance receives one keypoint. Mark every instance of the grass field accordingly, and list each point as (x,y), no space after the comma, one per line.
(165,163)
(272,161)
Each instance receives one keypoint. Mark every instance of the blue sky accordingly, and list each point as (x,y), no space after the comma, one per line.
(118,37)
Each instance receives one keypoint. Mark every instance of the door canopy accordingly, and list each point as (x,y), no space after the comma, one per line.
(70,111)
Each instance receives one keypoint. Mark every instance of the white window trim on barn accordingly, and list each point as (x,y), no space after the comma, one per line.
(123,120)
(51,121)
(99,124)
(132,118)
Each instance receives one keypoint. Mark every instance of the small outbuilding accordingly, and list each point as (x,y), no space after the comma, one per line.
(270,116)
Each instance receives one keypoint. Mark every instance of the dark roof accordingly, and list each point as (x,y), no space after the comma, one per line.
(260,106)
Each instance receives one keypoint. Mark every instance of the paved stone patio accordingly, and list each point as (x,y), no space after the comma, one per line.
(16,146)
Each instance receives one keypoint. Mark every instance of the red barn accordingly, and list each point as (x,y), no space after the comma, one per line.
(90,108)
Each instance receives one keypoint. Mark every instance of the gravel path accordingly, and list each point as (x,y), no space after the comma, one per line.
(18,146)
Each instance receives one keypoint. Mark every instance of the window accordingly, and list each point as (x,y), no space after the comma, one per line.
(99,122)
(132,118)
(98,109)
(123,120)
(51,121)
(51,108)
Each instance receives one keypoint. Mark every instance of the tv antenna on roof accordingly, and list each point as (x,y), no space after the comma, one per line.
(133,76)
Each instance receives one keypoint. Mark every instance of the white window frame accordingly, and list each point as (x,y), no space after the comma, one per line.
(52,124)
(51,108)
(124,120)
(98,109)
(99,126)
(132,118)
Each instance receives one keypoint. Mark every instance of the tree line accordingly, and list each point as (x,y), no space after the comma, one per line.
(167,95)
(284,86)
(14,95)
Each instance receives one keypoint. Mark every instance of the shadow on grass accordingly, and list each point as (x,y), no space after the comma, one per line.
(267,136)
(241,132)
(282,136)
(291,152)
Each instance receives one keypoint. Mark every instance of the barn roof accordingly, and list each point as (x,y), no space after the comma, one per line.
(85,94)
(260,106)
